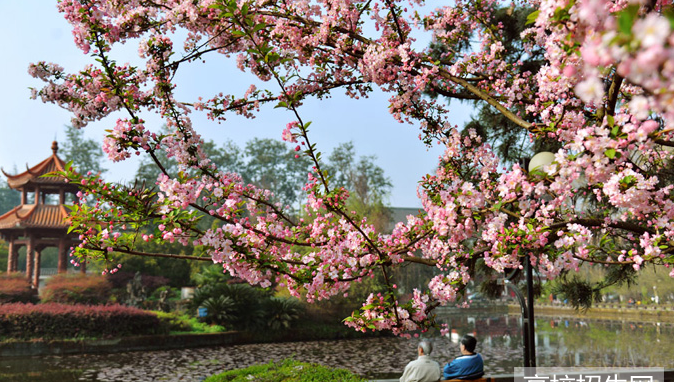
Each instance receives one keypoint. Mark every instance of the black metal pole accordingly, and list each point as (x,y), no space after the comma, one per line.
(527,308)
(525,321)
(530,313)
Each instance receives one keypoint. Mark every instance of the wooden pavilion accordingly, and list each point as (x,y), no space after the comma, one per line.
(40,221)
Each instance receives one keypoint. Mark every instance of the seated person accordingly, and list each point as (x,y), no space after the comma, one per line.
(423,369)
(467,366)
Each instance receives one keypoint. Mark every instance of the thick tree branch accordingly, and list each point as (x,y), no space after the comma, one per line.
(602,223)
(489,99)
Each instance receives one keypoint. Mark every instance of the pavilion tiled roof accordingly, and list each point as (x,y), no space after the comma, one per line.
(35,216)
(35,173)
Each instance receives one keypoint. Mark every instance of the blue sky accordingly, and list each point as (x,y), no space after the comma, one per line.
(33,30)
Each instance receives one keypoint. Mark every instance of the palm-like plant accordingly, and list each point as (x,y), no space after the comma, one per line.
(219,310)
(281,313)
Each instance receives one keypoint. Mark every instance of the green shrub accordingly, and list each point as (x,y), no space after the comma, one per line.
(220,309)
(286,371)
(182,323)
(15,287)
(239,306)
(281,313)
(236,306)
(174,322)
(76,289)
(58,321)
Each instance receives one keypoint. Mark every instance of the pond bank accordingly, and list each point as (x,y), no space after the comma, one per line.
(117,345)
(645,313)
(37,347)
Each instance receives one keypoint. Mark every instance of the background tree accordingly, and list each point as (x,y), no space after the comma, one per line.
(511,143)
(8,198)
(366,182)
(227,157)
(85,153)
(271,165)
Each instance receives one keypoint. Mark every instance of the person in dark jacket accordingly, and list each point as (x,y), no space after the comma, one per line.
(467,366)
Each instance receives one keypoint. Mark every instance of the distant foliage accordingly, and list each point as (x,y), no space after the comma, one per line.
(55,321)
(15,287)
(287,371)
(149,282)
(76,289)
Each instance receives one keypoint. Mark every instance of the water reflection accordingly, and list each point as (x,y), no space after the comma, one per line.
(563,342)
(560,342)
(567,342)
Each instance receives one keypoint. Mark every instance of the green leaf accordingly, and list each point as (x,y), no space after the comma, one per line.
(628,180)
(610,153)
(259,27)
(626,19)
(532,17)
(610,120)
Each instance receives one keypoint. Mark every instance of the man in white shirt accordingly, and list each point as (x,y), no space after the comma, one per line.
(423,369)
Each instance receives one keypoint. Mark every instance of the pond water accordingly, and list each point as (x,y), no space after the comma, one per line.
(560,342)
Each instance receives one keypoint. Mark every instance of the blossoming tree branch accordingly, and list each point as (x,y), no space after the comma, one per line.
(605,92)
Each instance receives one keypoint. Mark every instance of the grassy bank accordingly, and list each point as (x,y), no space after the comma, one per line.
(286,371)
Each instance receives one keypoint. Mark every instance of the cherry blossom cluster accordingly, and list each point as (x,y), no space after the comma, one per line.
(127,135)
(603,91)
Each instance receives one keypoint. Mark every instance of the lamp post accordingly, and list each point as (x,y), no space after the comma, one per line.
(539,160)
(527,309)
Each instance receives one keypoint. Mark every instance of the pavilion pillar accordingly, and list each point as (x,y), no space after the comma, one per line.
(10,256)
(63,258)
(15,263)
(36,269)
(83,266)
(30,258)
